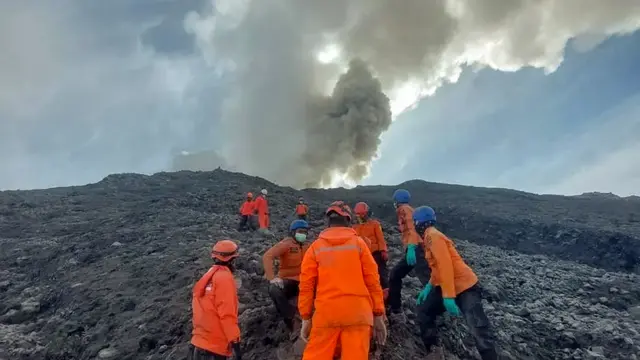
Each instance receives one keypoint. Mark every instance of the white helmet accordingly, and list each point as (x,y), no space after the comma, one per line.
(263,191)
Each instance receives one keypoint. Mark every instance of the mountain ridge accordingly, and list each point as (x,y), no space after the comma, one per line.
(106,270)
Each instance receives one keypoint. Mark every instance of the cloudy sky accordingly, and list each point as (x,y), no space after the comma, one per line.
(542,96)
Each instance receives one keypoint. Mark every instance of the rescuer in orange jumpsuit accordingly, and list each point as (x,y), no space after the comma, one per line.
(414,254)
(453,287)
(216,335)
(339,287)
(284,287)
(371,230)
(246,214)
(262,210)
(302,210)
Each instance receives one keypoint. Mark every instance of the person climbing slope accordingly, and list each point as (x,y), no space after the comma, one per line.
(371,230)
(452,287)
(216,334)
(302,210)
(262,210)
(414,254)
(339,287)
(284,285)
(246,214)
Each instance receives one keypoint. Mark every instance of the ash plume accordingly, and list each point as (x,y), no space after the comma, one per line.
(343,130)
(285,119)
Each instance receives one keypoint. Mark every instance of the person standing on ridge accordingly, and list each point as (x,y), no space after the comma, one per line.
(283,287)
(262,210)
(302,210)
(216,334)
(414,254)
(452,287)
(371,230)
(246,214)
(339,287)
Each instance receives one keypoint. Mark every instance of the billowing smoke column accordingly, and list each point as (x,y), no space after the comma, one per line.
(283,121)
(280,121)
(343,130)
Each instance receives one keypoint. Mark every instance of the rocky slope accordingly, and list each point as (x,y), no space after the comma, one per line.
(105,271)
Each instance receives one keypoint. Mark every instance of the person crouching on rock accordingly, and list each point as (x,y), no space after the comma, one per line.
(246,214)
(283,288)
(216,334)
(414,255)
(339,285)
(371,229)
(453,287)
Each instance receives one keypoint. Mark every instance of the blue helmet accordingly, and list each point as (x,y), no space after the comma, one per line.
(298,224)
(401,196)
(424,214)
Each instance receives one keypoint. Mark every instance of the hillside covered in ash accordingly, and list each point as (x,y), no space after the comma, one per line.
(105,271)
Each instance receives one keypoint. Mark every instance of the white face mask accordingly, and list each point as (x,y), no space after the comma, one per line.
(300,237)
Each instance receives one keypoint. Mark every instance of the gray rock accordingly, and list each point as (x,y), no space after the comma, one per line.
(139,243)
(30,306)
(592,355)
(598,350)
(108,353)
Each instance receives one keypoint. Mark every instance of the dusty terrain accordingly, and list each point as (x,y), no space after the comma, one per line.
(104,271)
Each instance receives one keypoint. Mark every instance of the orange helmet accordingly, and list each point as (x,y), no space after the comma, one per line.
(249,195)
(340,208)
(224,250)
(361,209)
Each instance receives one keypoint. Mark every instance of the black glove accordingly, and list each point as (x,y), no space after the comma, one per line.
(237,353)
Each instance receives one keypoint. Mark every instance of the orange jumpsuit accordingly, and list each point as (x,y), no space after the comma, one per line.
(289,253)
(262,209)
(372,230)
(448,269)
(247,208)
(302,210)
(406,226)
(409,236)
(215,312)
(339,286)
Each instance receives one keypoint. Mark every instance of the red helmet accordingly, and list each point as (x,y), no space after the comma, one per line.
(361,209)
(224,250)
(340,208)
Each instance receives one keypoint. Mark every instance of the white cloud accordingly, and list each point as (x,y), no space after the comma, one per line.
(77,103)
(520,134)
(414,49)
(604,157)
(618,172)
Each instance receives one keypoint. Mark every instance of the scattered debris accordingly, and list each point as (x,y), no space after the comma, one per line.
(105,271)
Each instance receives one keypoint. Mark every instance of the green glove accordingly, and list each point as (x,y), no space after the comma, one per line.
(424,293)
(451,307)
(411,254)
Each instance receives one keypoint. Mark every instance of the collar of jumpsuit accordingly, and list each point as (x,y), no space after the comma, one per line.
(338,235)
